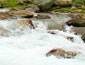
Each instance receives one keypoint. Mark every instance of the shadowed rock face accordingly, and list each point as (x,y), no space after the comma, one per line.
(62,53)
(44,4)
(73,22)
(78,20)
(24,1)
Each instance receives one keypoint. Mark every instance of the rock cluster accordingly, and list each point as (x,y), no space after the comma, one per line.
(46,4)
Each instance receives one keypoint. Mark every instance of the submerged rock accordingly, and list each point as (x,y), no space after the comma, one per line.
(25,23)
(4,32)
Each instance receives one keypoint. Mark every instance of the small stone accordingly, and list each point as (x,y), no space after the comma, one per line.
(43,16)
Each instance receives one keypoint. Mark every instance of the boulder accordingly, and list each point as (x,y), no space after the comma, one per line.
(63,2)
(59,52)
(78,20)
(44,4)
(22,13)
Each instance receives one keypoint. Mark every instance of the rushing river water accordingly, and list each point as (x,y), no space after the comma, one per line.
(29,46)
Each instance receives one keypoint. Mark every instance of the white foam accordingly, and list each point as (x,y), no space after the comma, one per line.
(30,48)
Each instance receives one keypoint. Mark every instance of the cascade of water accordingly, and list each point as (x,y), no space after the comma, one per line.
(76,38)
(30,49)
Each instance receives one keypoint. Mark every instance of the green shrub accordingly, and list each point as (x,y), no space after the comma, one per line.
(10,3)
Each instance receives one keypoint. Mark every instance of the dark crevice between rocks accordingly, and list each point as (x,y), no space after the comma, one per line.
(83,37)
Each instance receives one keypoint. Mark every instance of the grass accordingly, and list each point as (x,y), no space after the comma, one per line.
(67,9)
(14,4)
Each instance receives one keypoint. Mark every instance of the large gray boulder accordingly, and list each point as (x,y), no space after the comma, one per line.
(44,4)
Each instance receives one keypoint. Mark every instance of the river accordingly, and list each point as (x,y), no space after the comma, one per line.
(29,46)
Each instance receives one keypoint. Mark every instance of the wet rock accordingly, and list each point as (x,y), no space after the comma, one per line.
(52,32)
(5,16)
(83,37)
(70,54)
(70,38)
(4,13)
(4,32)
(22,13)
(23,23)
(53,21)
(78,20)
(63,2)
(80,31)
(57,21)
(73,22)
(62,53)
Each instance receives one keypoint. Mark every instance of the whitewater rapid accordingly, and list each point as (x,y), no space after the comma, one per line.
(29,47)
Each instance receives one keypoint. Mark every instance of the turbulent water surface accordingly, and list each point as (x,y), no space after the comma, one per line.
(20,45)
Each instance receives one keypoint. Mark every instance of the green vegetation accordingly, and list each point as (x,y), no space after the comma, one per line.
(10,3)
(80,2)
(15,4)
(68,9)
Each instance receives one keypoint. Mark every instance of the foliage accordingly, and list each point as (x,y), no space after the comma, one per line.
(82,2)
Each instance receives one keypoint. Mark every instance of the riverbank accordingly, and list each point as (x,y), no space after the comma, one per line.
(49,5)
